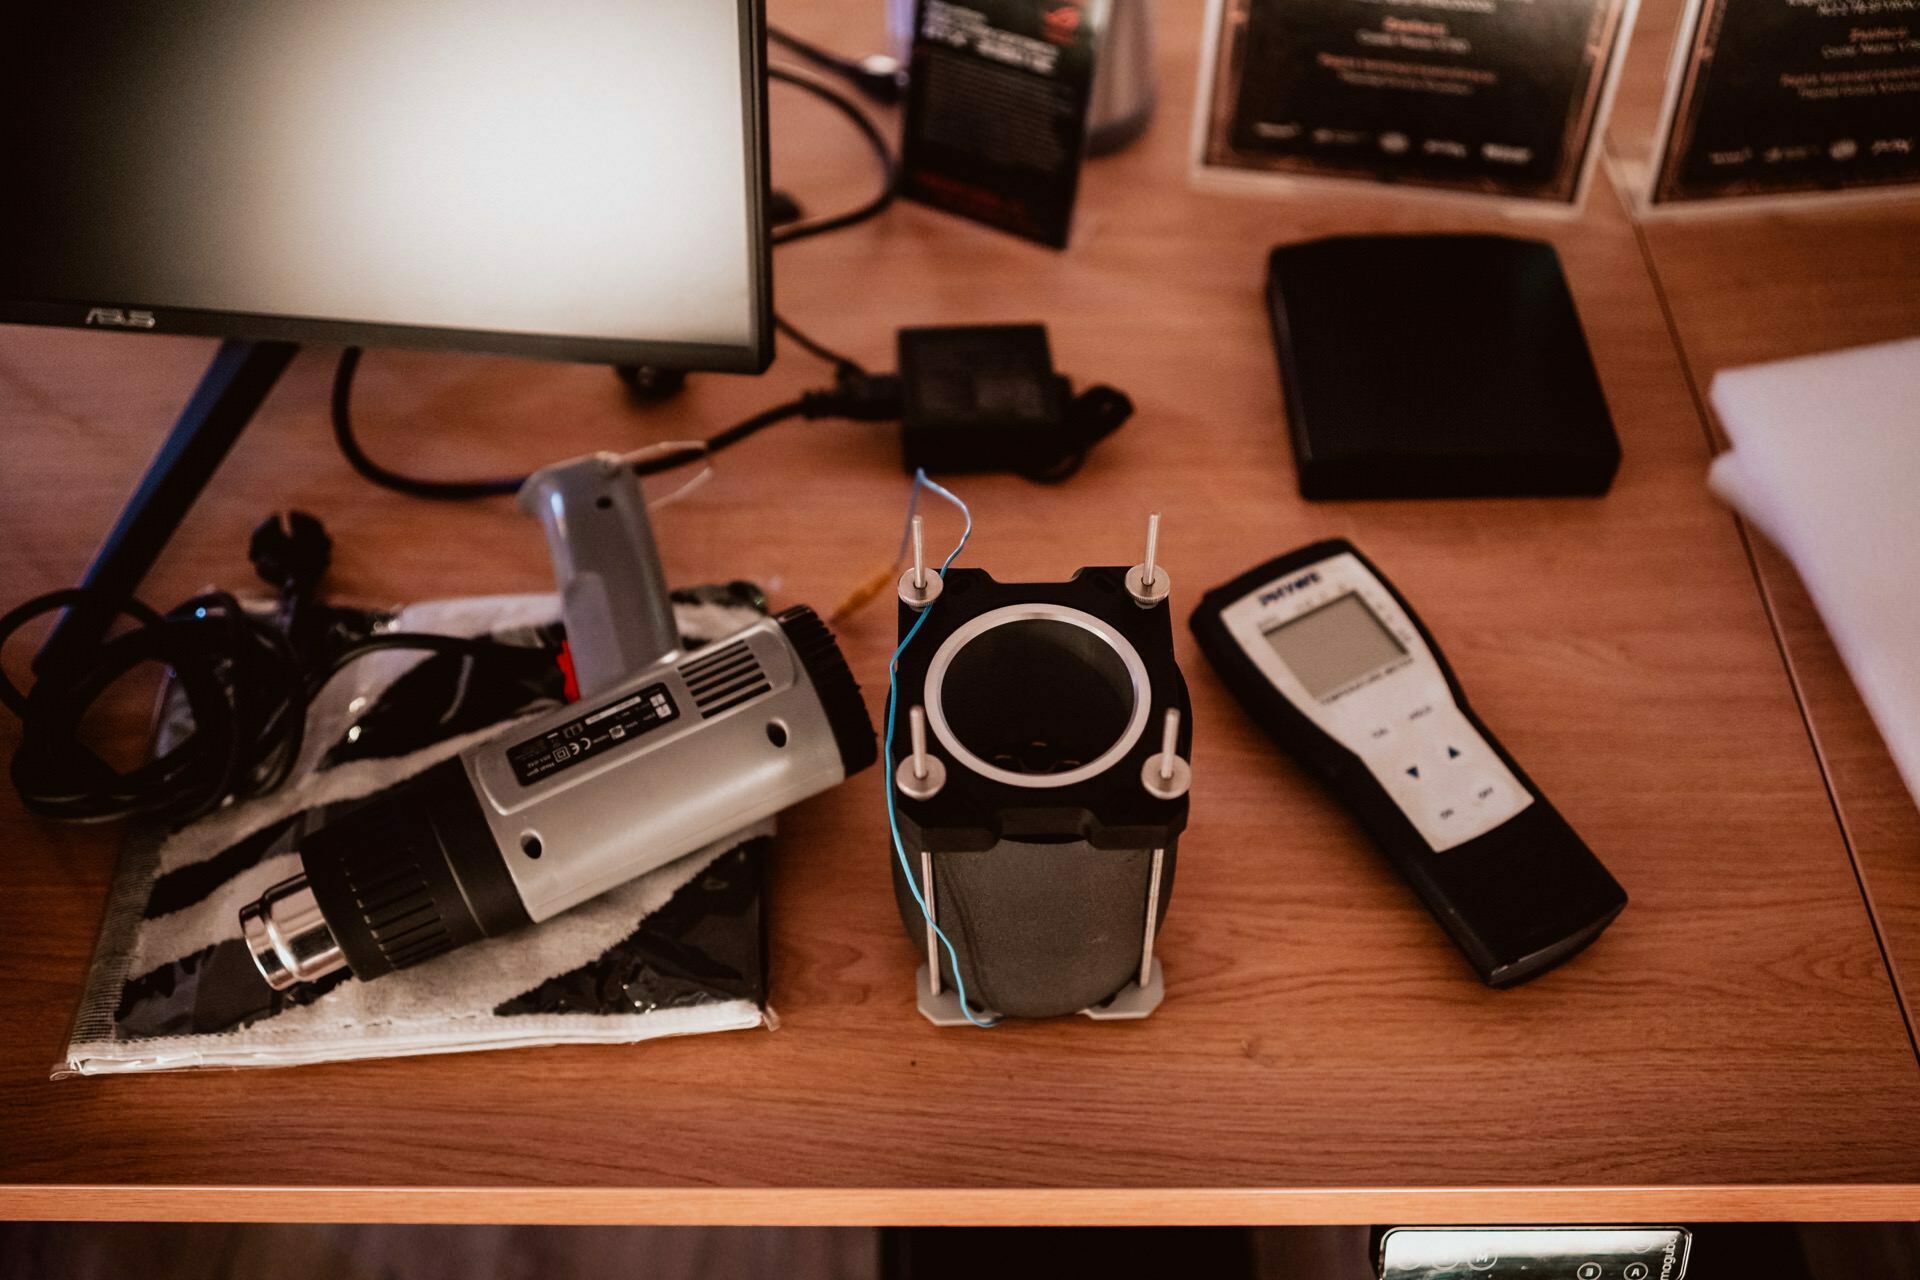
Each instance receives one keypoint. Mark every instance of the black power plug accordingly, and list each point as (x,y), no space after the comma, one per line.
(986,398)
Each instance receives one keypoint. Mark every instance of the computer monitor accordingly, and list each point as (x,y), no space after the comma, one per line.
(581,181)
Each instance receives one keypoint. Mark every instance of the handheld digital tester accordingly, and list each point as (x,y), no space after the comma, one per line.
(1335,665)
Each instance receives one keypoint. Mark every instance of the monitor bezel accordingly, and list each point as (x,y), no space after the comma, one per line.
(129,315)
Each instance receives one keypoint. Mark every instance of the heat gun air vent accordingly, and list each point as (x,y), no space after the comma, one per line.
(725,678)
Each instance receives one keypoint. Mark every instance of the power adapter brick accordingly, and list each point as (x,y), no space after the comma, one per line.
(983,398)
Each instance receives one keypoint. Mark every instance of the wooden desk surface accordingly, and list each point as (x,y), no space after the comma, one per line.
(1747,287)
(1848,277)
(1732,1048)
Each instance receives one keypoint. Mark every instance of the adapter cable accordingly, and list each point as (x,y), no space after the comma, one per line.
(879,76)
(970,399)
(649,385)
(876,140)
(856,395)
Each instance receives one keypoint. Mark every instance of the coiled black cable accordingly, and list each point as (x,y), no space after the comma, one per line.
(246,690)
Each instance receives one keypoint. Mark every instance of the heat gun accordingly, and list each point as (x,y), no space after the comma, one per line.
(665,752)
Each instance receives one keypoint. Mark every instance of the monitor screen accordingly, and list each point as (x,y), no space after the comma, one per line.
(583,181)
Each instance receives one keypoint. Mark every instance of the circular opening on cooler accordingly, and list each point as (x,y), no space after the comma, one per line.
(1037,695)
(530,845)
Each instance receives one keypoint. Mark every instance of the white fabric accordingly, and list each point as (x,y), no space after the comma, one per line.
(1826,463)
(445,1005)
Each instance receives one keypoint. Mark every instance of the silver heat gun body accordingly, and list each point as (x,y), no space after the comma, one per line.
(665,752)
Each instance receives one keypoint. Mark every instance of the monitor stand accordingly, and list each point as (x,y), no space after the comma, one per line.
(233,387)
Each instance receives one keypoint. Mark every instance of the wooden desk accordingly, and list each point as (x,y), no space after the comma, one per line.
(1733,1047)
(1742,288)
(1848,277)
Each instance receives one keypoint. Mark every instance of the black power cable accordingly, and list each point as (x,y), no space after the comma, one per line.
(247,678)
(341,405)
(876,139)
(245,689)
(879,76)
(731,436)
(812,346)
(857,395)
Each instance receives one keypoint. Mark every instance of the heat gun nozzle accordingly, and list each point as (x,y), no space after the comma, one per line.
(288,936)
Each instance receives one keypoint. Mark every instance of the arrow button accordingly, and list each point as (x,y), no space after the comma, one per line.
(1413,771)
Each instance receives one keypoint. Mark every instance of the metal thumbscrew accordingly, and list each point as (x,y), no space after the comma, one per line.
(922,774)
(1166,776)
(920,586)
(1147,582)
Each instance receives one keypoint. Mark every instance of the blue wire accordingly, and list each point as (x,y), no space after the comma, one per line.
(920,481)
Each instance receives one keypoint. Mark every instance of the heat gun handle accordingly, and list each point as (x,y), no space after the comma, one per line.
(613,593)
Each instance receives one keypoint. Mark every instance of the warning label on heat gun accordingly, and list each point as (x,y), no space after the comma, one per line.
(592,734)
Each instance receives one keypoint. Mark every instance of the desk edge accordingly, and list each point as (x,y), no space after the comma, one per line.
(1021,1206)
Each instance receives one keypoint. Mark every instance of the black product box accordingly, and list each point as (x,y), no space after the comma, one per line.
(1437,366)
(997,105)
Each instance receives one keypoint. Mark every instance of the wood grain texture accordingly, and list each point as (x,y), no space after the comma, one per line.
(971,1206)
(1731,1048)
(1750,288)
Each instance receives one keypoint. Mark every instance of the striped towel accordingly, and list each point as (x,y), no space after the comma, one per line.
(675,952)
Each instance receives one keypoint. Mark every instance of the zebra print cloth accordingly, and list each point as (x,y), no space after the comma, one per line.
(675,952)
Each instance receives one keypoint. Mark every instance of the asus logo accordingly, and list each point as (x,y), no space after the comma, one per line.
(115,318)
(1286,589)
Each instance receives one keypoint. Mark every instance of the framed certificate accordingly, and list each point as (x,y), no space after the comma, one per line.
(1492,98)
(1791,98)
